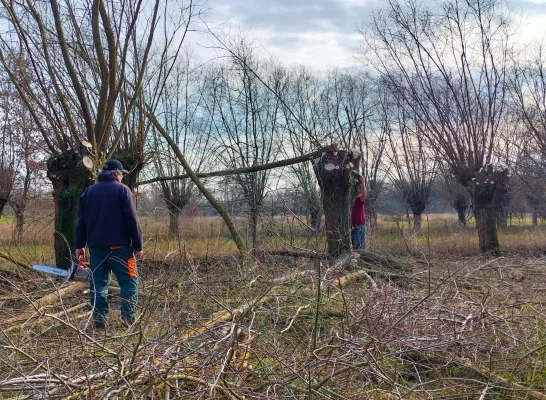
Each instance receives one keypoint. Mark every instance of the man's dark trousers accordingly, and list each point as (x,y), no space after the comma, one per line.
(121,262)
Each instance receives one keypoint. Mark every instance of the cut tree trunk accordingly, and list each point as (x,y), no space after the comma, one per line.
(69,178)
(335,171)
(488,190)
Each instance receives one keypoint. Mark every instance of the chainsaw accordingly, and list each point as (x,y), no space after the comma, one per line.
(79,270)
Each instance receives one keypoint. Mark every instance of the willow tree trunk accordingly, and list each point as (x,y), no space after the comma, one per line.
(488,191)
(69,178)
(460,204)
(19,211)
(174,225)
(417,219)
(334,171)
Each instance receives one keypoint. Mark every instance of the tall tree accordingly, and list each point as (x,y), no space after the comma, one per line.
(71,63)
(413,163)
(448,61)
(246,122)
(185,118)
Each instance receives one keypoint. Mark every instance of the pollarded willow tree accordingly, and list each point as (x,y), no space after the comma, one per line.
(351,119)
(184,117)
(246,119)
(72,62)
(448,62)
(413,164)
(301,112)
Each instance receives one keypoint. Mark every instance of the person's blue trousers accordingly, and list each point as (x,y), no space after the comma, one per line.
(120,261)
(358,237)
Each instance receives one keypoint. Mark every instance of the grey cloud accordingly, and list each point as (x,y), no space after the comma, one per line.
(291,16)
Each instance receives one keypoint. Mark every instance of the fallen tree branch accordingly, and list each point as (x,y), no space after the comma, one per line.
(246,170)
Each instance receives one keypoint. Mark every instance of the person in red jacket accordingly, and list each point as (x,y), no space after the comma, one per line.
(108,224)
(358,218)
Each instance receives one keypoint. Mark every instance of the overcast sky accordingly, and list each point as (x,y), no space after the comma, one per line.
(324,33)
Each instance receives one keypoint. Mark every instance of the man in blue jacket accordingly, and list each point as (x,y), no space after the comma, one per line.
(108,223)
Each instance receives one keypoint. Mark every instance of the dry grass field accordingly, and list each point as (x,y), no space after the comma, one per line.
(419,316)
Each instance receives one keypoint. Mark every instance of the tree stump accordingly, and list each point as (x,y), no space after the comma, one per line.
(337,174)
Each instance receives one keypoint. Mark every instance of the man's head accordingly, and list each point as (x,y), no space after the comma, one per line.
(115,166)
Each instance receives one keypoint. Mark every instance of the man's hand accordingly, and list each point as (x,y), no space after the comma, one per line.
(361,179)
(139,254)
(80,254)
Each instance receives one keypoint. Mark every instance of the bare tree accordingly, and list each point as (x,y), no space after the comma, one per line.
(70,63)
(9,111)
(246,123)
(529,93)
(453,193)
(185,118)
(449,63)
(302,119)
(413,163)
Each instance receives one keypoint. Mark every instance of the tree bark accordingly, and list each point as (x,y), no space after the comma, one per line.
(417,222)
(69,178)
(334,171)
(488,190)
(535,217)
(174,226)
(460,204)
(236,171)
(19,224)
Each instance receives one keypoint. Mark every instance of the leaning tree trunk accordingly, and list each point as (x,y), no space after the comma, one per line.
(488,190)
(69,178)
(334,171)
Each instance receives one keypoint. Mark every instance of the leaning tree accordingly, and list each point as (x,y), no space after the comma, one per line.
(71,63)
(448,61)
